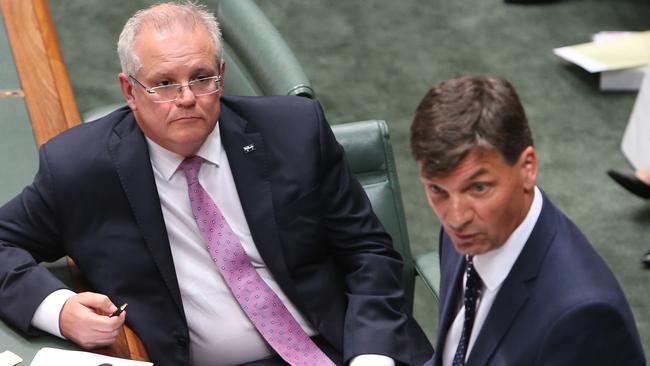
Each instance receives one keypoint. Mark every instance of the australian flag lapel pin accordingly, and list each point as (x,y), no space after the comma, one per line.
(249,148)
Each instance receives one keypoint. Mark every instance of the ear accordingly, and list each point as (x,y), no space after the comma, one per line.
(528,165)
(127,90)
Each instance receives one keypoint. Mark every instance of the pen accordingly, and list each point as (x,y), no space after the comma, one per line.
(119,310)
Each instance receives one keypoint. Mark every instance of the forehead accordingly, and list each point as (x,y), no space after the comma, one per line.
(478,163)
(177,48)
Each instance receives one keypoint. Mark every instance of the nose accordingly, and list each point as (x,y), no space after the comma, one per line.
(186,96)
(459,214)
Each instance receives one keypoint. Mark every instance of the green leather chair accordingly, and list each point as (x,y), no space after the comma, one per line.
(427,266)
(258,60)
(370,155)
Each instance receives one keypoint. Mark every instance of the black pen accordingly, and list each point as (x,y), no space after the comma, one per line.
(119,310)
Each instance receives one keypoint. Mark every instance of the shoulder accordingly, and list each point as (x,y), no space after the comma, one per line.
(276,110)
(570,271)
(88,134)
(277,102)
(87,142)
(575,300)
(280,119)
(594,333)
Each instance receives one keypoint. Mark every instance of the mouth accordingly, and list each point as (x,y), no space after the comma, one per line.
(185,119)
(463,238)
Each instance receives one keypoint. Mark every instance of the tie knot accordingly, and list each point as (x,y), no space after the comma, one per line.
(473,278)
(469,263)
(191,166)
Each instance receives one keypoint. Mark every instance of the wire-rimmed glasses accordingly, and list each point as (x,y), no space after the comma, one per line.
(171,92)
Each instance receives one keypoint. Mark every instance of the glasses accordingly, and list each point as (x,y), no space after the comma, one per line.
(171,92)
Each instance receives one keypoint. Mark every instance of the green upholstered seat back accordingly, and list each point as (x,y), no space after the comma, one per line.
(258,60)
(369,153)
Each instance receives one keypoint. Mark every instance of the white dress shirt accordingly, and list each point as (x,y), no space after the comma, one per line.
(220,331)
(493,267)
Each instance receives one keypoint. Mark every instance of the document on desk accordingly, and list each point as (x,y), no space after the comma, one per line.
(8,358)
(58,357)
(630,50)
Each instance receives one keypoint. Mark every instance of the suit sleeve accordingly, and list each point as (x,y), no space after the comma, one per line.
(375,321)
(28,235)
(593,334)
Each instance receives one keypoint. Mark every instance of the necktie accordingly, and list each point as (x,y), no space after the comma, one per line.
(471,295)
(262,306)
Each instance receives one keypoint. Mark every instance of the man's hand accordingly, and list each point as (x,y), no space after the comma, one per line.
(85,320)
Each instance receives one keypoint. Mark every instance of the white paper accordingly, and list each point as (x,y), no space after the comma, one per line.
(604,36)
(622,80)
(636,139)
(57,357)
(609,51)
(8,358)
(570,54)
(619,80)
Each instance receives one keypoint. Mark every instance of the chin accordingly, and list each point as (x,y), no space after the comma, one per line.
(470,248)
(191,134)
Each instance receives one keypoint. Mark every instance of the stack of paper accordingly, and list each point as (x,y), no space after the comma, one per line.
(618,56)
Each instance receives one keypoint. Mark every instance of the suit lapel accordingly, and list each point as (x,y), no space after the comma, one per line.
(129,152)
(516,288)
(452,275)
(504,310)
(248,161)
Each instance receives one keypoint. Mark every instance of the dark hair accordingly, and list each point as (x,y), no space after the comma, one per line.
(468,112)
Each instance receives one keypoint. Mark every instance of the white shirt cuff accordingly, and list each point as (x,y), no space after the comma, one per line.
(46,317)
(372,360)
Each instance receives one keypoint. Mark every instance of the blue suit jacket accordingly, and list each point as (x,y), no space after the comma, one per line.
(94,198)
(560,304)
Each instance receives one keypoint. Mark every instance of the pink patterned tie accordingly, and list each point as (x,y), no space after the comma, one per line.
(262,306)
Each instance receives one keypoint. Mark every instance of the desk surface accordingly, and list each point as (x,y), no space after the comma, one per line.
(26,347)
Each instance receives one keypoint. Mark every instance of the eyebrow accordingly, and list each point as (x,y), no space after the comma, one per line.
(474,175)
(167,74)
(477,173)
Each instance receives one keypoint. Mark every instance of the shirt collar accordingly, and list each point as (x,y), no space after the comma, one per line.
(495,265)
(166,162)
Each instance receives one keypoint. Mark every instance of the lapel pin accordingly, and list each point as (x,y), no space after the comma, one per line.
(249,148)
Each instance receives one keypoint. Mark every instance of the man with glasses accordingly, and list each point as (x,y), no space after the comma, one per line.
(230,225)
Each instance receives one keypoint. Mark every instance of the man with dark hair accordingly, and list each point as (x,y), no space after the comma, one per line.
(520,284)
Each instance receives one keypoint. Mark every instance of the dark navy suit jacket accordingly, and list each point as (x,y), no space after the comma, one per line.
(94,198)
(559,306)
